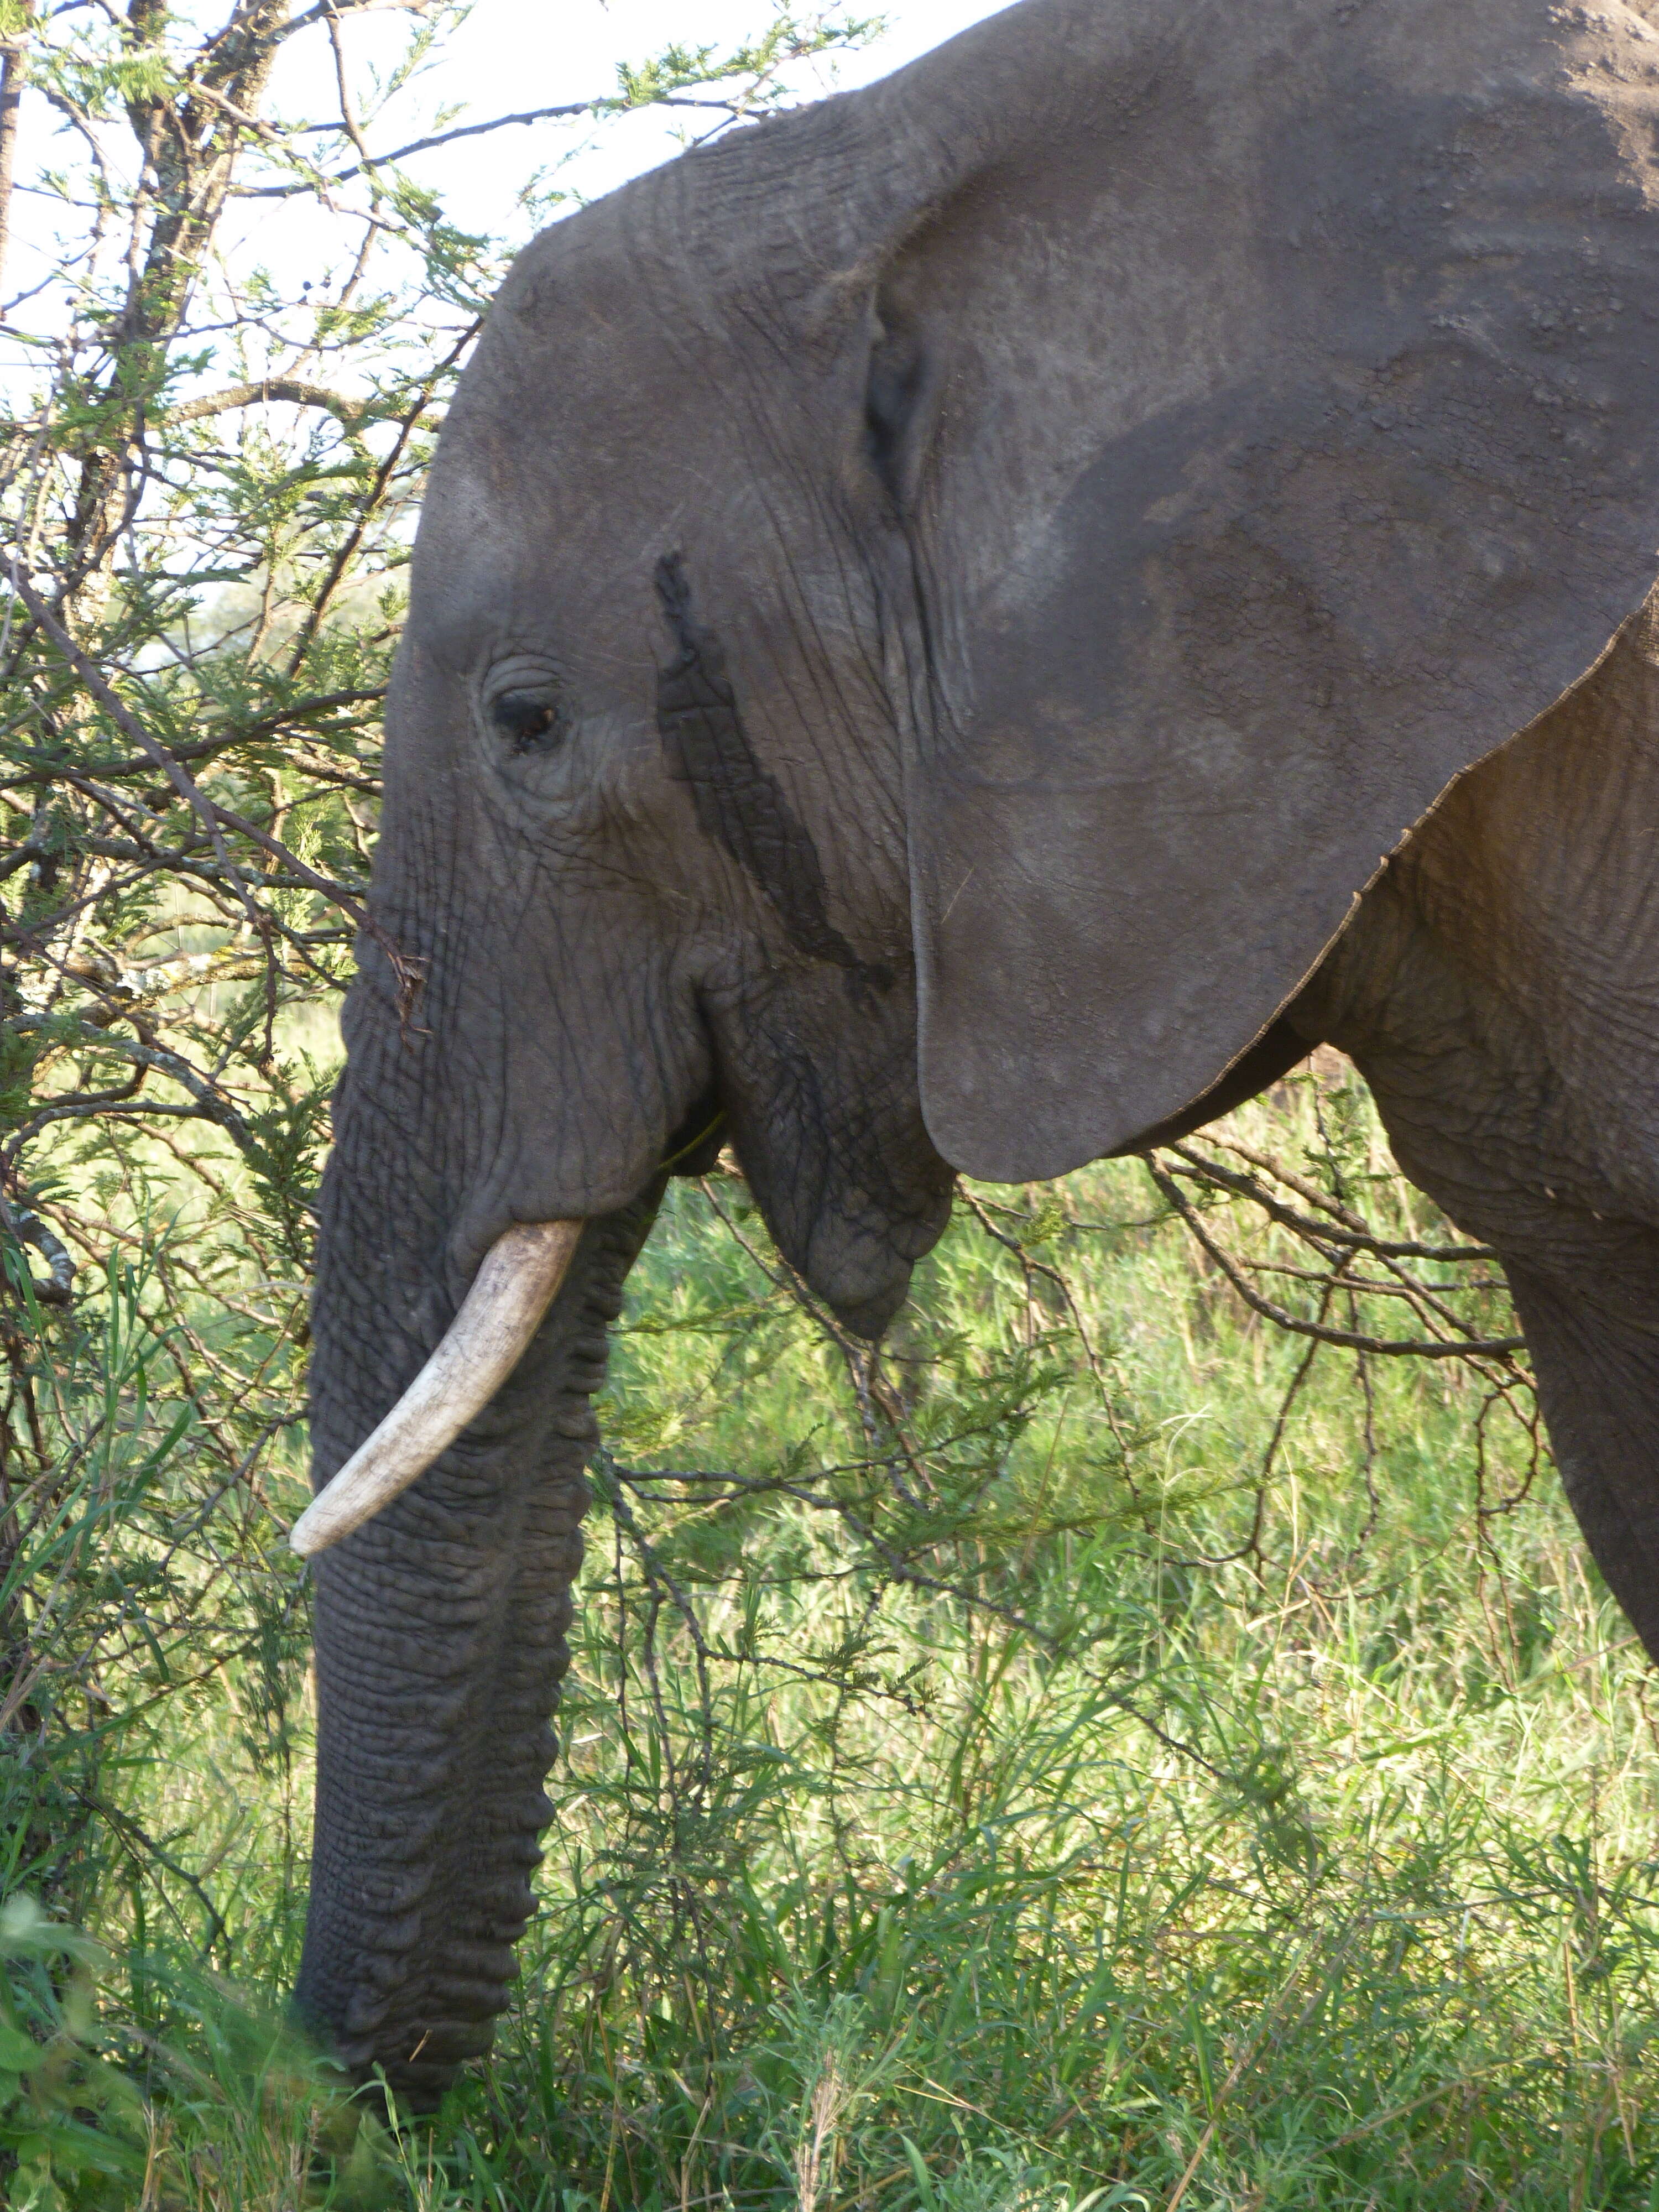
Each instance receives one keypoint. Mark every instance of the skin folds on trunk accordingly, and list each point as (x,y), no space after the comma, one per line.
(440,1643)
(506,1304)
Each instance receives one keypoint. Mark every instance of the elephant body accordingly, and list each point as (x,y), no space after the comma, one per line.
(1499,989)
(962,629)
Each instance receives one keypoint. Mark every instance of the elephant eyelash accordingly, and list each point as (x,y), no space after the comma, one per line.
(531,722)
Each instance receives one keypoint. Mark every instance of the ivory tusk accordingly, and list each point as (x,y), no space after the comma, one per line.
(518,1280)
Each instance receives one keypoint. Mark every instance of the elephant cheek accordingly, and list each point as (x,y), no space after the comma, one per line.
(819,1084)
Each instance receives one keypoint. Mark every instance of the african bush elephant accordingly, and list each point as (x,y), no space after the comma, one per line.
(931,615)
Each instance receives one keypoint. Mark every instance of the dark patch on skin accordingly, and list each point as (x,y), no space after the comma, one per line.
(738,801)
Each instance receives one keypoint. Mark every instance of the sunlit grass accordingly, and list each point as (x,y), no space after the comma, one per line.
(1124,1791)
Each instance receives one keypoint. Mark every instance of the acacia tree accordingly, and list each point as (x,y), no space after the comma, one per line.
(208,465)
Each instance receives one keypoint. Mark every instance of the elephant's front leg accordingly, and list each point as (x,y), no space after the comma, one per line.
(1585,1282)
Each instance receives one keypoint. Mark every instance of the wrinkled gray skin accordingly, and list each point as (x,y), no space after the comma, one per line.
(926,615)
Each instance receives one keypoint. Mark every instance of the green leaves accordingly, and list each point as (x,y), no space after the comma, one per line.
(750,68)
(73,2123)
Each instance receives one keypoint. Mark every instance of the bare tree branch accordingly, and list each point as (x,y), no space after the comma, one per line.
(1470,1347)
(272,388)
(607,106)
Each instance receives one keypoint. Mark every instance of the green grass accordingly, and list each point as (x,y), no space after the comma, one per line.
(1100,1757)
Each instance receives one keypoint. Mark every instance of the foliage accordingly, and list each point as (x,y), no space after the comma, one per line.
(206,482)
(1149,1738)
(1112,1739)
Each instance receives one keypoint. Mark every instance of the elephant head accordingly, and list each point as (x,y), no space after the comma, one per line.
(927,613)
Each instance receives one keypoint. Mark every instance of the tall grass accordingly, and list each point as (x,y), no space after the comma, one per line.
(1110,1751)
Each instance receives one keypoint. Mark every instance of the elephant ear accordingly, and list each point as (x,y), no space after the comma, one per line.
(1272,404)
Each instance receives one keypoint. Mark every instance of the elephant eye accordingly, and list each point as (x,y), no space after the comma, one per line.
(530,721)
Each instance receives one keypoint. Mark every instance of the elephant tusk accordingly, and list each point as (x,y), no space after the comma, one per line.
(518,1280)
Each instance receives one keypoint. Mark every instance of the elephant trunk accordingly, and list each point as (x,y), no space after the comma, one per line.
(518,1280)
(440,1638)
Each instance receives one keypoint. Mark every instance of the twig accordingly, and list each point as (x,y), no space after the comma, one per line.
(609,105)
(354,537)
(127,723)
(262,725)
(1422,1347)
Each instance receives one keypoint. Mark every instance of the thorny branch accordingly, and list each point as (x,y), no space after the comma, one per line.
(1463,1345)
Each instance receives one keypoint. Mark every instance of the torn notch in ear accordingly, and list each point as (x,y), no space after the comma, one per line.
(897,409)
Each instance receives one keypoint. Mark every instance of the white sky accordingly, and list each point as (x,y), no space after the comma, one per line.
(507,56)
(513,54)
